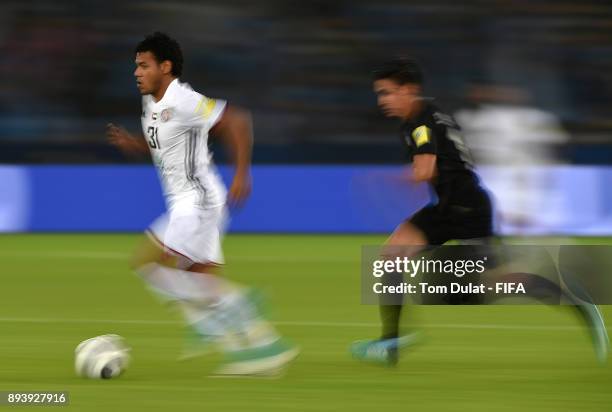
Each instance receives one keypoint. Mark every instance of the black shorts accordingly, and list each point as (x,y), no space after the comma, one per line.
(446,221)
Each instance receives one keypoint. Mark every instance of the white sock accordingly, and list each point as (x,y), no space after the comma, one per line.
(248,328)
(213,306)
(201,319)
(175,284)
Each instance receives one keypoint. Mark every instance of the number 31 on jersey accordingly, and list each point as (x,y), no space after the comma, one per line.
(153,139)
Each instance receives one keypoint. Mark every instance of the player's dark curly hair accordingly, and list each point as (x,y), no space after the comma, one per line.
(163,48)
(401,70)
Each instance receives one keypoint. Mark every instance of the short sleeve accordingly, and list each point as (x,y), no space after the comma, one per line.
(424,139)
(205,111)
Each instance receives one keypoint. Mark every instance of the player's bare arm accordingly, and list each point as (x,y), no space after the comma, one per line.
(235,129)
(126,142)
(424,167)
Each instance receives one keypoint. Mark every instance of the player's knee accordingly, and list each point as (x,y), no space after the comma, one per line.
(141,258)
(146,252)
(407,234)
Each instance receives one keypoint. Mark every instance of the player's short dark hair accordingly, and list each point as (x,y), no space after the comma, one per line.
(402,70)
(163,48)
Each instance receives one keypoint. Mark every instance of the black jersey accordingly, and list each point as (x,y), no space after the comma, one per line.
(437,133)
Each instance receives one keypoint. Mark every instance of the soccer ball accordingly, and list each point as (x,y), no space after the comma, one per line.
(102,357)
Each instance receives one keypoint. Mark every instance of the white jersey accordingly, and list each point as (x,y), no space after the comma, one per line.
(176,129)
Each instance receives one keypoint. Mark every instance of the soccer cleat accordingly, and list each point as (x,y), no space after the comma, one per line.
(382,351)
(268,360)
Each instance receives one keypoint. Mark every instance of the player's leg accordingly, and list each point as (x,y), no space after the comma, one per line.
(541,277)
(154,262)
(162,268)
(432,225)
(544,283)
(150,248)
(581,271)
(150,253)
(236,323)
(229,314)
(560,278)
(408,239)
(195,236)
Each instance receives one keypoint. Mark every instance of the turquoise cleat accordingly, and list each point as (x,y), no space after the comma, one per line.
(382,351)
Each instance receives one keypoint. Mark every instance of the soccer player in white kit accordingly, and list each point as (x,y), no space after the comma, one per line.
(180,260)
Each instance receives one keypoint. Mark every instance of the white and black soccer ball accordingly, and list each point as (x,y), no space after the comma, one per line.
(101,357)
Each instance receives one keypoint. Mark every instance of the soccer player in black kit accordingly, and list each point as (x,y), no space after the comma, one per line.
(461,208)
(439,157)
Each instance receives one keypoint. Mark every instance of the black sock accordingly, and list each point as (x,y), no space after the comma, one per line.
(391,309)
(390,317)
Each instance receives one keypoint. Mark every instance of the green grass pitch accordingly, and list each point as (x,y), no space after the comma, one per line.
(57,290)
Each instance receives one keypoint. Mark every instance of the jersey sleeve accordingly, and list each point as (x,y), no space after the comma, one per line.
(204,111)
(424,139)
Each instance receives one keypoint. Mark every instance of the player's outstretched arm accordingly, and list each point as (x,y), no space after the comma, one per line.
(124,141)
(235,129)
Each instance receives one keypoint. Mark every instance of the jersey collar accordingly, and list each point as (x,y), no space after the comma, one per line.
(168,94)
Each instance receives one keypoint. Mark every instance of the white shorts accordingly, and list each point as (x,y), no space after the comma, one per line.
(192,233)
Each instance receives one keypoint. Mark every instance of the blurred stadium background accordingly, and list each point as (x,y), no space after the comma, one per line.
(531,81)
(303,69)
